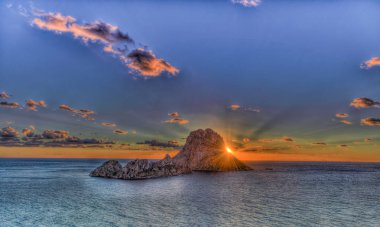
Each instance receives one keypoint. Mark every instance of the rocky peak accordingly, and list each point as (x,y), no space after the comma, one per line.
(204,151)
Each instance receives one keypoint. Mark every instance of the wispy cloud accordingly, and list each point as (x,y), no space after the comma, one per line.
(247,3)
(139,60)
(375,61)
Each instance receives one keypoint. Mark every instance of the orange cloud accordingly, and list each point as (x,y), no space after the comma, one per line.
(139,60)
(180,121)
(147,64)
(370,121)
(32,105)
(346,122)
(342,115)
(371,63)
(54,22)
(234,106)
(364,103)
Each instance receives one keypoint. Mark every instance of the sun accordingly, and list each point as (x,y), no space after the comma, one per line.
(229,150)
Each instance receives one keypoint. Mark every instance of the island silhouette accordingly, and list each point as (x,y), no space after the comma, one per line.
(204,150)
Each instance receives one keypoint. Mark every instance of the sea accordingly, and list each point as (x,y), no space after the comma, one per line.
(60,192)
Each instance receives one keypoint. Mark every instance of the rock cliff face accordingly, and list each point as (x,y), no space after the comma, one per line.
(204,151)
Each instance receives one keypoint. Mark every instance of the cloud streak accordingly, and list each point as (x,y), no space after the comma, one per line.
(375,61)
(116,42)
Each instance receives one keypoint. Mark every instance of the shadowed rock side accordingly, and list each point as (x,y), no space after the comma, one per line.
(204,151)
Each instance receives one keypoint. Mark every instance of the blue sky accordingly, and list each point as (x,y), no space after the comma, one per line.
(298,62)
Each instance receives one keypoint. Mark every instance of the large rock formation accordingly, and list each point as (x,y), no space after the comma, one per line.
(204,151)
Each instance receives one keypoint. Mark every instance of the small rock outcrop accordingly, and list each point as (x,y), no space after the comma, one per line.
(204,151)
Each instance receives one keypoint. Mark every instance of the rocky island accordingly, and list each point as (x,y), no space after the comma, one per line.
(204,150)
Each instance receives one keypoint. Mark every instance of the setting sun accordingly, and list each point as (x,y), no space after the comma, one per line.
(229,150)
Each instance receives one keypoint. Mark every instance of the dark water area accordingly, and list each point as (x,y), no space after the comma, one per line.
(47,192)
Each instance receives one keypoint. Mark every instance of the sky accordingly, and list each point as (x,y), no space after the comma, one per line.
(280,80)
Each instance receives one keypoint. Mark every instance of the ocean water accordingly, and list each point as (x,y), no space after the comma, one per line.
(55,192)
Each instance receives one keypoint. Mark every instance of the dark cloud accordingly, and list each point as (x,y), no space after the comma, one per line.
(8,132)
(9,104)
(120,132)
(147,64)
(319,143)
(4,95)
(55,134)
(364,103)
(370,121)
(32,105)
(155,143)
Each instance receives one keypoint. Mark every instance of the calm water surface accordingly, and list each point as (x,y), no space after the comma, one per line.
(60,192)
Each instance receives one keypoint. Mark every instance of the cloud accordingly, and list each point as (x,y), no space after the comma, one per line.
(246,140)
(178,120)
(116,42)
(54,22)
(173,114)
(364,103)
(287,139)
(319,143)
(343,146)
(370,63)
(9,132)
(346,122)
(28,132)
(9,104)
(247,3)
(108,124)
(370,121)
(55,134)
(84,113)
(234,106)
(147,64)
(155,143)
(341,115)
(120,132)
(4,95)
(32,105)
